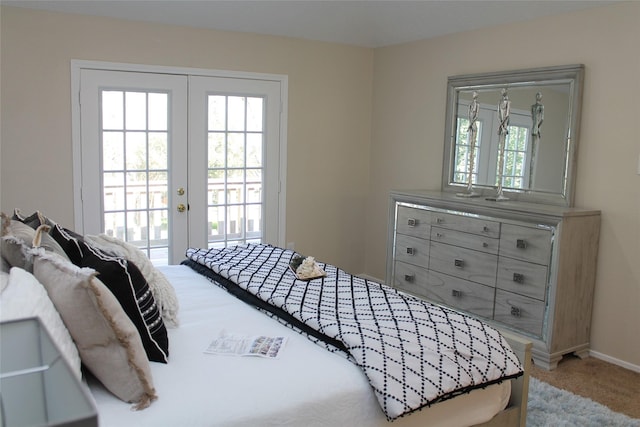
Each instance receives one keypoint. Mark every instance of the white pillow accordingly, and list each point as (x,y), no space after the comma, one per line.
(25,297)
(163,292)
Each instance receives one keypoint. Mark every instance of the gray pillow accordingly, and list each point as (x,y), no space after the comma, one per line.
(108,342)
(15,243)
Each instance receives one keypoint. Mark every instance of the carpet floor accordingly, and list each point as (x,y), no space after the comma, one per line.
(611,385)
(550,406)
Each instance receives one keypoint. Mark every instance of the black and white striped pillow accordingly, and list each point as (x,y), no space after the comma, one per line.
(126,282)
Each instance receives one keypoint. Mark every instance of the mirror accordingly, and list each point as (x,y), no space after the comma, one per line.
(531,157)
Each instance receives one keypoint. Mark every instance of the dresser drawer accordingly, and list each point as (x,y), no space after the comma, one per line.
(524,278)
(526,243)
(463,263)
(412,250)
(466,223)
(519,312)
(465,240)
(416,222)
(410,278)
(460,294)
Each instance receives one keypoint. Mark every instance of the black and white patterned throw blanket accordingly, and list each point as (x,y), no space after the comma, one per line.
(413,353)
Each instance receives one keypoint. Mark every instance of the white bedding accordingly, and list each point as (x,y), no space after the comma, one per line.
(305,386)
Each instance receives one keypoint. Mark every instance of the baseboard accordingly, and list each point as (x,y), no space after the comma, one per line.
(607,358)
(373,279)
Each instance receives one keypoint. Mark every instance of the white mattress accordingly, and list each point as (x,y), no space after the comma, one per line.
(305,386)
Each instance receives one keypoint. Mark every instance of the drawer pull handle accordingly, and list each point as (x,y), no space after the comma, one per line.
(485,245)
(411,251)
(521,244)
(412,222)
(439,220)
(458,263)
(515,311)
(485,229)
(409,278)
(456,293)
(439,235)
(518,277)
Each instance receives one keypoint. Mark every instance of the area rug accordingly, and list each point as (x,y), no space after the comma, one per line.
(550,406)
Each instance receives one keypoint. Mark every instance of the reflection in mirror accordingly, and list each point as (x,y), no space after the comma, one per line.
(539,142)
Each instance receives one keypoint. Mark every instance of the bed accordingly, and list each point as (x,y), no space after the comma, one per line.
(250,391)
(305,385)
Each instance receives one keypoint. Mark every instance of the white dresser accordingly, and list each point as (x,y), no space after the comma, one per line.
(529,268)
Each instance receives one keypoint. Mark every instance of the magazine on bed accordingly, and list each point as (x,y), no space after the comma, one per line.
(240,345)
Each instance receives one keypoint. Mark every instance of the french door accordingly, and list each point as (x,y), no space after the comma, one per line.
(172,160)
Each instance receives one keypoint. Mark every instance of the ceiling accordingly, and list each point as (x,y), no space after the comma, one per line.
(368,23)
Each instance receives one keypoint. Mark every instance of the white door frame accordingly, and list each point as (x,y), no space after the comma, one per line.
(77,65)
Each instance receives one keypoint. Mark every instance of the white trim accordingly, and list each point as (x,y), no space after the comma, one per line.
(77,65)
(284,114)
(613,360)
(371,278)
(76,145)
(142,68)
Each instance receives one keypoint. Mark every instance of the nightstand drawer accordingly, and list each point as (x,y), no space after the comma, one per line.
(519,312)
(415,222)
(465,264)
(467,224)
(526,243)
(465,240)
(412,250)
(460,294)
(522,278)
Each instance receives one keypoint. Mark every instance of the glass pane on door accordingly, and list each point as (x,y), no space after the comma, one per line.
(235,166)
(135,176)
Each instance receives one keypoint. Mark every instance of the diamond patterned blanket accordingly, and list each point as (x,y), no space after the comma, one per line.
(413,353)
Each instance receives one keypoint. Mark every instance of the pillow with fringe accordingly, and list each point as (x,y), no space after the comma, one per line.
(18,238)
(126,282)
(163,291)
(107,340)
(15,243)
(34,220)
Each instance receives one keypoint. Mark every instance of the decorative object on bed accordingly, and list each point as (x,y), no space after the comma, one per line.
(107,340)
(413,353)
(306,268)
(38,388)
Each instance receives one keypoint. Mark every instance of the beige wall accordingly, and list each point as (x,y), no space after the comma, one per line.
(329,112)
(408,134)
(337,150)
